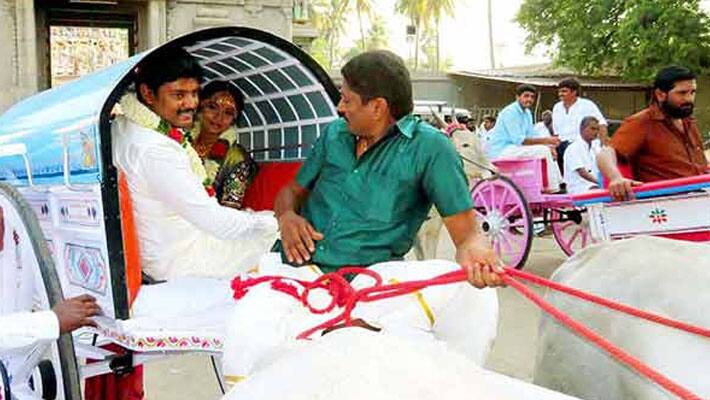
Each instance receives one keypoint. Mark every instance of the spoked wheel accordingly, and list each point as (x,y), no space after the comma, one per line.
(30,283)
(504,216)
(571,229)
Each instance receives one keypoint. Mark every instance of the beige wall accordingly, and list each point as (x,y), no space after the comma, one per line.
(18,65)
(24,67)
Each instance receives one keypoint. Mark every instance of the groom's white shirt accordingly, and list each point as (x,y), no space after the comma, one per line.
(181,230)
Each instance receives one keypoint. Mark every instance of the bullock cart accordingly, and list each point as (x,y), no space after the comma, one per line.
(512,199)
(68,226)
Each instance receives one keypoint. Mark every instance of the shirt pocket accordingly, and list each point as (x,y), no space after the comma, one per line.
(389,198)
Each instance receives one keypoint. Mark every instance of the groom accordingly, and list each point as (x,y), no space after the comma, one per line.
(181,229)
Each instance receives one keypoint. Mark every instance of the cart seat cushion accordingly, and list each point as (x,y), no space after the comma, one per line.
(184,314)
(181,296)
(272,176)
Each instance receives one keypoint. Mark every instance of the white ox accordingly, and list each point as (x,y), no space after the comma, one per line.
(665,277)
(464,318)
(476,166)
(354,364)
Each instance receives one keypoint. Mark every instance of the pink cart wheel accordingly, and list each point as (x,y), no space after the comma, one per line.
(571,229)
(504,216)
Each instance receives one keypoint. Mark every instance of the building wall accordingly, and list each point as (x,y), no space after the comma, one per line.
(18,65)
(23,27)
(270,15)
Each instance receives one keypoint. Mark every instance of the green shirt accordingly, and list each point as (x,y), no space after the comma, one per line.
(370,209)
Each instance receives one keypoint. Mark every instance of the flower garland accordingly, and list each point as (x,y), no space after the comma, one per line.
(134,110)
(214,160)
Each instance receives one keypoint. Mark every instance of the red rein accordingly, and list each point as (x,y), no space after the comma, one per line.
(346,297)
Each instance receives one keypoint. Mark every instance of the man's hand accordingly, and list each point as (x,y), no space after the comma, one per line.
(480,262)
(553,150)
(298,237)
(621,189)
(552,141)
(76,312)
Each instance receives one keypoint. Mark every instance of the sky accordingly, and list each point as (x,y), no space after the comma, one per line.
(464,37)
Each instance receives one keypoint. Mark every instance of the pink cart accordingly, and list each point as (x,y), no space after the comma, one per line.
(509,202)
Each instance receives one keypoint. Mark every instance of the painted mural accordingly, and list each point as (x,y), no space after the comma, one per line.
(77,51)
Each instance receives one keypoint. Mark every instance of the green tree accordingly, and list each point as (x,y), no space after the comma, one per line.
(377,38)
(425,16)
(362,7)
(329,17)
(435,9)
(415,10)
(632,38)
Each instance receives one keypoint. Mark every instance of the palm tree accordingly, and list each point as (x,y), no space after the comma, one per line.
(434,9)
(415,10)
(330,18)
(363,7)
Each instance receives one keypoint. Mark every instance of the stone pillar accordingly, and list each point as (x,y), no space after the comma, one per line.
(156,27)
(19,66)
(27,46)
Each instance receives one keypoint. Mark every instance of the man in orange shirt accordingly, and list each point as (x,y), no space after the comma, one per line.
(660,142)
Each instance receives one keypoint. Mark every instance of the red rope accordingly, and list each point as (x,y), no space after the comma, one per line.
(345,296)
(659,319)
(616,352)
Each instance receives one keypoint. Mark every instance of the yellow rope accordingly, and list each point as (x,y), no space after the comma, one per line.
(422,303)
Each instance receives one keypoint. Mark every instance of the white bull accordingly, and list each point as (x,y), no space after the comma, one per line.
(353,364)
(476,166)
(464,318)
(665,277)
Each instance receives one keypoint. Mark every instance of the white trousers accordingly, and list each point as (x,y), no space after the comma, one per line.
(554,177)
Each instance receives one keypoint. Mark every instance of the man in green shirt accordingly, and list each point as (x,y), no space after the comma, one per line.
(373,175)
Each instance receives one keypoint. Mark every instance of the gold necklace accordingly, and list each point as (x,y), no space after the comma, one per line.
(362,147)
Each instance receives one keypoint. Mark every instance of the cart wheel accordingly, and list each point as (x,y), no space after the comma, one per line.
(504,216)
(36,287)
(571,229)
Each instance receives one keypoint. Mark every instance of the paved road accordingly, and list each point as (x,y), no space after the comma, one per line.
(191,377)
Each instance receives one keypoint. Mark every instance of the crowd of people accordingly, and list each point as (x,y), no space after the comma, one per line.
(660,142)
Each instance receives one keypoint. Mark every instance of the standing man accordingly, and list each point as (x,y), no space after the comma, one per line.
(371,178)
(514,136)
(567,115)
(660,142)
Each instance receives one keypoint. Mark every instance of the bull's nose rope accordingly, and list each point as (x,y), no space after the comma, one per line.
(346,297)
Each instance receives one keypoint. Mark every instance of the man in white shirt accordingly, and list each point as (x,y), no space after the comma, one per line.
(580,159)
(181,229)
(485,130)
(567,114)
(20,332)
(544,127)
